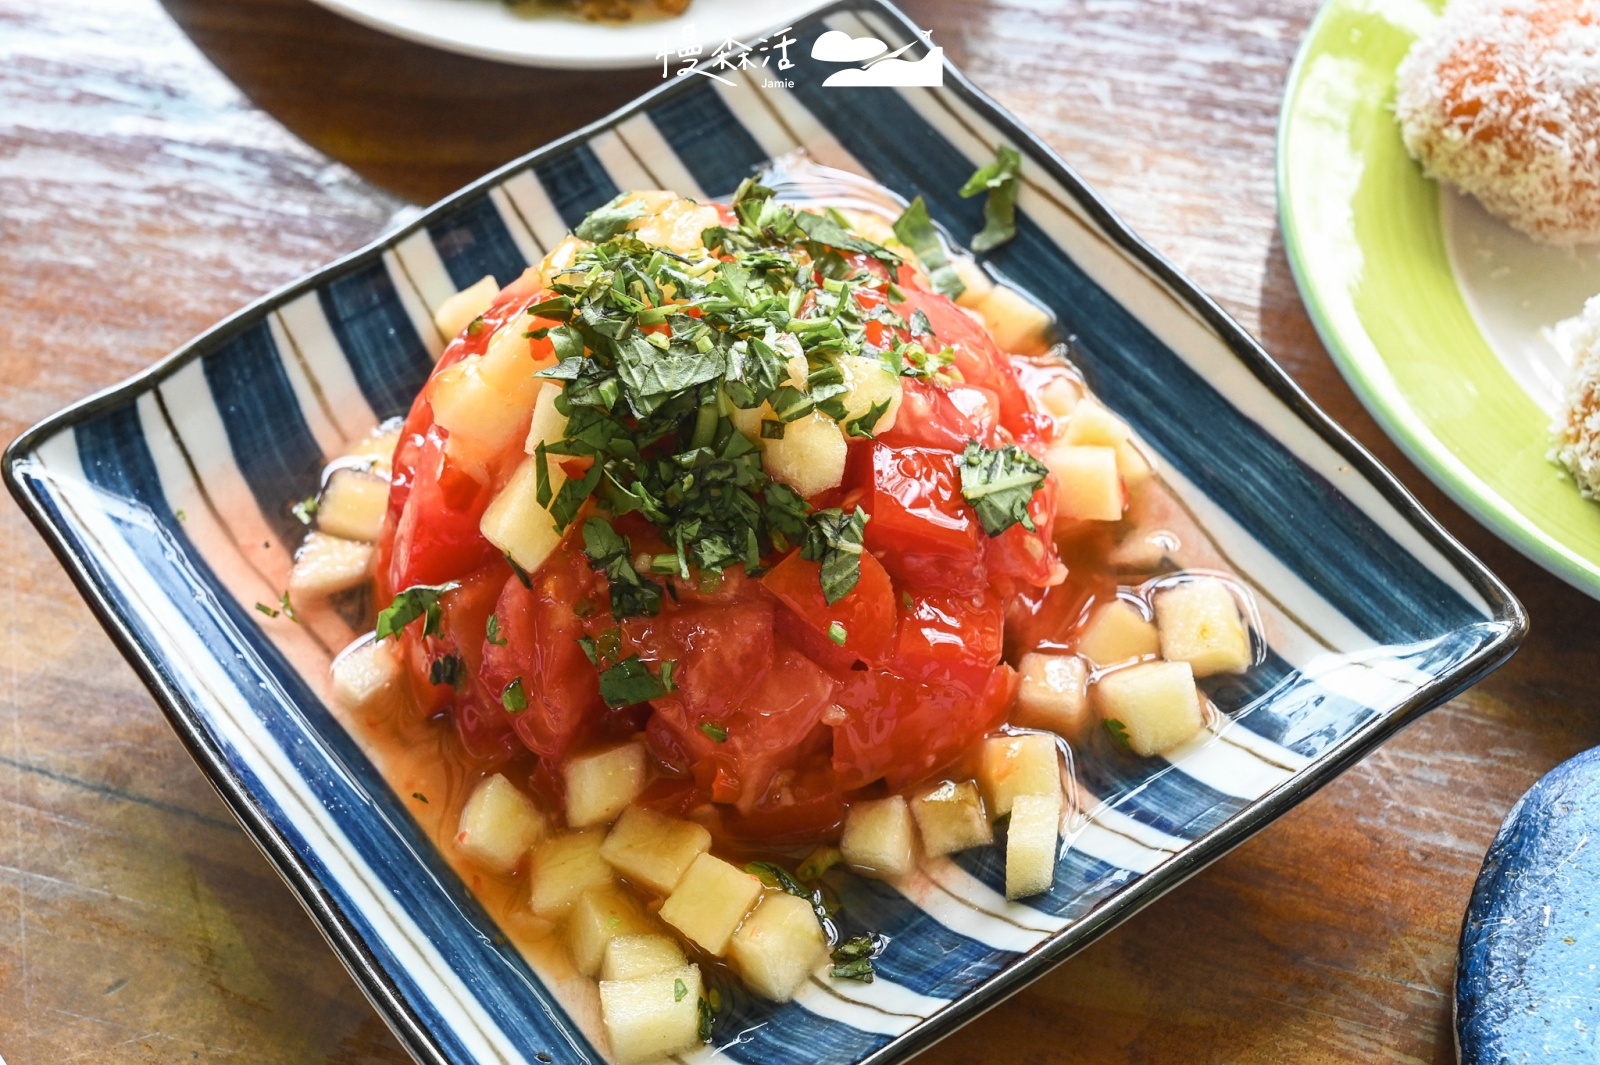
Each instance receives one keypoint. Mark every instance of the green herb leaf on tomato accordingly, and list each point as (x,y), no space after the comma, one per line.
(630,682)
(603,223)
(514,697)
(834,539)
(417,601)
(1000,483)
(915,230)
(492,631)
(716,733)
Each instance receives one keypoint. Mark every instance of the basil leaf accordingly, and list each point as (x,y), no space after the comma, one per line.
(417,601)
(603,223)
(834,539)
(630,682)
(999,180)
(999,483)
(492,631)
(915,230)
(514,697)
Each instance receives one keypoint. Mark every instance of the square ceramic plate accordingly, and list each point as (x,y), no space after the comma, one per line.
(167,500)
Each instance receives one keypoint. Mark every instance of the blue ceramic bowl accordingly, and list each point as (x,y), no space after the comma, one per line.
(167,497)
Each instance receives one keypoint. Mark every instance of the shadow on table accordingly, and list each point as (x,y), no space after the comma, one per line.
(415,120)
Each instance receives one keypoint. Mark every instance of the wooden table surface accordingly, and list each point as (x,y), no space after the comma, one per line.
(163,163)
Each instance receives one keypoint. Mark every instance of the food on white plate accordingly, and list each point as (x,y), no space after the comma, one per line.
(603,10)
(1501,99)
(1576,444)
(728,534)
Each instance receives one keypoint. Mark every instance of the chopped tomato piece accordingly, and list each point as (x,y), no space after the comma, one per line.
(859,627)
(950,639)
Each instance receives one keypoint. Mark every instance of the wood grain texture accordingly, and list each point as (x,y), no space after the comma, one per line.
(161,165)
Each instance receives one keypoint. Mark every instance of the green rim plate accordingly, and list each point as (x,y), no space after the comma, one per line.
(1362,230)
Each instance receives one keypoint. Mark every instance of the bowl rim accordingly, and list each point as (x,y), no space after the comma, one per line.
(1503,630)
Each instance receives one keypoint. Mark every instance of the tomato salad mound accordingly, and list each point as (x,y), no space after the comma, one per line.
(724,547)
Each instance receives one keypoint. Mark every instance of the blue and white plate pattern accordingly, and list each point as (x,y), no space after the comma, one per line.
(167,500)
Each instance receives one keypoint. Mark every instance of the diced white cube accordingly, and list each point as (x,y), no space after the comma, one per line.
(1151,707)
(649,1017)
(1027,763)
(601,784)
(1031,844)
(1017,323)
(710,901)
(498,825)
(778,945)
(549,425)
(878,839)
(597,918)
(810,455)
(1200,624)
(352,505)
(564,868)
(1117,631)
(1061,396)
(1092,425)
(326,565)
(458,311)
(1054,694)
(1088,486)
(950,817)
(366,677)
(652,849)
(871,383)
(632,956)
(516,522)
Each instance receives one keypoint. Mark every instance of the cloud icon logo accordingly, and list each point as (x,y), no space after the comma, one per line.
(927,72)
(837,46)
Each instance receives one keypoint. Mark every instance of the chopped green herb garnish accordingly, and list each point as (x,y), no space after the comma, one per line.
(417,601)
(492,631)
(523,576)
(447,669)
(611,554)
(915,230)
(475,326)
(708,1020)
(716,732)
(852,959)
(776,876)
(834,539)
(417,795)
(999,483)
(818,862)
(603,223)
(270,611)
(679,990)
(836,633)
(288,608)
(514,698)
(1119,733)
(629,682)
(305,510)
(181,514)
(999,180)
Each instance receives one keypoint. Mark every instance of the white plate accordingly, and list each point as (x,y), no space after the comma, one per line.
(545,36)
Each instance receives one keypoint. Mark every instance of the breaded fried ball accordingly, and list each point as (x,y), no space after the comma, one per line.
(1577,433)
(1501,98)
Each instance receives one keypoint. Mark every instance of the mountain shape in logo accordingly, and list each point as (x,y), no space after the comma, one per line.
(837,46)
(888,71)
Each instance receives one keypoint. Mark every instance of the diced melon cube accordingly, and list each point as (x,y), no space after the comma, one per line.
(653,850)
(748,419)
(1017,323)
(649,1017)
(366,677)
(480,417)
(378,448)
(601,784)
(628,957)
(559,258)
(1088,485)
(1151,707)
(597,918)
(1061,396)
(457,312)
(516,523)
(878,839)
(810,455)
(871,383)
(498,825)
(352,505)
(976,282)
(325,565)
(674,223)
(549,425)
(1200,624)
(1093,425)
(778,945)
(1117,632)
(951,818)
(565,867)
(1031,844)
(710,901)
(1024,764)
(1054,694)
